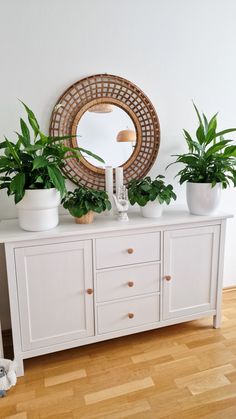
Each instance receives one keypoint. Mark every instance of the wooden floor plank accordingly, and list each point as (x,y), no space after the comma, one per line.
(22,415)
(179,372)
(117,391)
(64,378)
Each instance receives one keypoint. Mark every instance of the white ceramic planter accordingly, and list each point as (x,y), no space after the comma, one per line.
(202,199)
(38,210)
(152,209)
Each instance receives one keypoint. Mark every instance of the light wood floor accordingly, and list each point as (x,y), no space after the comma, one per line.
(182,371)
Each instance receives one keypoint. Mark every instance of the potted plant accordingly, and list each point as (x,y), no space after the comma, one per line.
(150,195)
(209,165)
(83,202)
(32,172)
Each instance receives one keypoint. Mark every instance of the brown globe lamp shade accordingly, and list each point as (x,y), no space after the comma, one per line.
(126,136)
(101,108)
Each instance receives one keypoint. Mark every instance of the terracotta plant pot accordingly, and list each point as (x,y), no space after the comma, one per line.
(85,219)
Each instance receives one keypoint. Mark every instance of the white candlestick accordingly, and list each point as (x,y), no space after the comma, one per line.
(119,179)
(109,184)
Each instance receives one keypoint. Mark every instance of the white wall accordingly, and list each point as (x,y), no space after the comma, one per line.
(175,51)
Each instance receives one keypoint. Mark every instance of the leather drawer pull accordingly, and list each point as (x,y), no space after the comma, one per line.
(89,291)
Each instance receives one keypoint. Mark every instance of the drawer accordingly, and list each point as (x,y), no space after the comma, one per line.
(127,282)
(127,250)
(126,314)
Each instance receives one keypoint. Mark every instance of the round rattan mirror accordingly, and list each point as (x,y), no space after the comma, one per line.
(107,91)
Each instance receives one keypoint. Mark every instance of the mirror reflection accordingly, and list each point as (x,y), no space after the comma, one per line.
(109,132)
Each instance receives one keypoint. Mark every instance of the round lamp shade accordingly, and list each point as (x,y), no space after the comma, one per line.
(126,135)
(101,108)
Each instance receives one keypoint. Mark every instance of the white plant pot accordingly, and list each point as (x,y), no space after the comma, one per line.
(152,209)
(38,210)
(202,199)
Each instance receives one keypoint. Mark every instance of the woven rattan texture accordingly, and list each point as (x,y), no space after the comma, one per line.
(111,89)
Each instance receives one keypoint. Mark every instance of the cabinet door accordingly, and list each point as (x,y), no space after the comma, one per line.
(52,282)
(191,265)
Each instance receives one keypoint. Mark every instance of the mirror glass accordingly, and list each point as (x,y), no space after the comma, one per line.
(98,130)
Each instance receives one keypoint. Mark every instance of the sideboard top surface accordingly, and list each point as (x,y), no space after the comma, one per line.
(10,232)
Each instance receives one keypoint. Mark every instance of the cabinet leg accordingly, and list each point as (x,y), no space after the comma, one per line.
(217,321)
(19,367)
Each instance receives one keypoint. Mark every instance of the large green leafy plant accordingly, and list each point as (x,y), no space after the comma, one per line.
(211,158)
(82,200)
(144,190)
(35,164)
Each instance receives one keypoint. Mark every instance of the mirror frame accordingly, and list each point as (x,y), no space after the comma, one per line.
(105,88)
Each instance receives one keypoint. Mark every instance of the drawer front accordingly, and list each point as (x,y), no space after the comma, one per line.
(125,314)
(128,282)
(127,250)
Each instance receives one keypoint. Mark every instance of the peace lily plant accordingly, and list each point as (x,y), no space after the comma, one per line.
(31,171)
(209,165)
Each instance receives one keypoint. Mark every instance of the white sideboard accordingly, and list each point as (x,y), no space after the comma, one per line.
(80,284)
(1,344)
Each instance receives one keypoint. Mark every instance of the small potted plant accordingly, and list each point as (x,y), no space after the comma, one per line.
(150,195)
(83,202)
(209,165)
(32,172)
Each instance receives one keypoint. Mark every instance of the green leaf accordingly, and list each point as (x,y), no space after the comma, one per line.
(210,135)
(216,147)
(5,179)
(34,147)
(39,161)
(57,179)
(43,138)
(17,186)
(188,159)
(200,134)
(32,119)
(21,139)
(75,151)
(198,114)
(39,179)
(25,133)
(3,144)
(91,154)
(146,188)
(5,162)
(189,140)
(13,152)
(213,122)
(226,131)
(205,123)
(230,151)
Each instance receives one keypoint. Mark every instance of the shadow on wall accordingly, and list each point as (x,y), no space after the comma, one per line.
(7,206)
